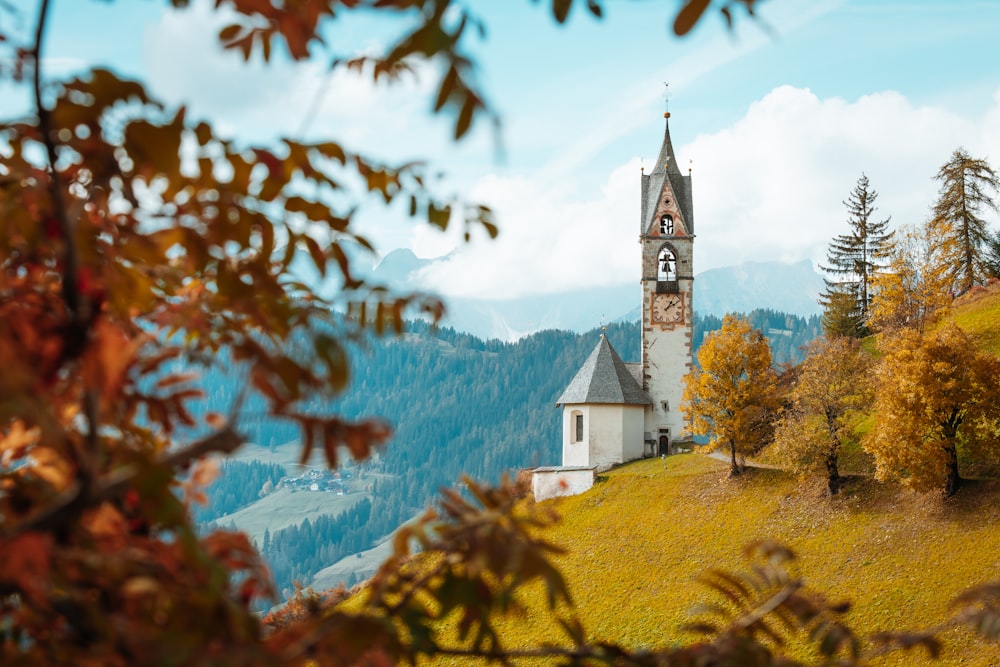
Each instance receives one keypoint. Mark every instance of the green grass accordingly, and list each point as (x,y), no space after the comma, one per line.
(638,540)
(978,314)
(284,508)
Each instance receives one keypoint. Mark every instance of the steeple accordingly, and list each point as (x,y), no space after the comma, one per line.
(666,181)
(667,161)
(667,239)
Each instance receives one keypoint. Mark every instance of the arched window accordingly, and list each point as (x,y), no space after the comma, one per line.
(576,426)
(666,265)
(667,224)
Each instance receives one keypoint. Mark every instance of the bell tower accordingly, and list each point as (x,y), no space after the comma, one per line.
(667,237)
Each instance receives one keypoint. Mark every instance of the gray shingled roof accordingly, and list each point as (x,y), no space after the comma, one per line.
(652,185)
(604,378)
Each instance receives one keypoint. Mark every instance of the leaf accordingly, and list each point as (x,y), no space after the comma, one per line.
(560,9)
(107,359)
(334,357)
(689,15)
(107,526)
(464,121)
(16,440)
(25,562)
(229,32)
(203,132)
(319,258)
(439,216)
(332,151)
(447,88)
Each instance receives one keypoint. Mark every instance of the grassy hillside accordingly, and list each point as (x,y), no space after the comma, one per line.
(978,313)
(637,541)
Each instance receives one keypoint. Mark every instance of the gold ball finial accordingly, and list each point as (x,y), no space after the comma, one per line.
(666,114)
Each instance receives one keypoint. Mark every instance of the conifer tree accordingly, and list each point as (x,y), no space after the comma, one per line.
(966,184)
(854,258)
(993,255)
(840,317)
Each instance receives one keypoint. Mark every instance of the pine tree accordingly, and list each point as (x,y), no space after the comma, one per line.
(856,257)
(966,184)
(993,255)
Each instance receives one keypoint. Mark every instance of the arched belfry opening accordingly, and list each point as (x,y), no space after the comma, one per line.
(666,270)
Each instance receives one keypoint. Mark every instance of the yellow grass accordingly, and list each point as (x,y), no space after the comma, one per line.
(978,313)
(638,540)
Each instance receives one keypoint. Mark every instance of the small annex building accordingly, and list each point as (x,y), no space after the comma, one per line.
(604,409)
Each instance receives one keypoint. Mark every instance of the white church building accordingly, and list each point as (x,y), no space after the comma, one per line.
(614,411)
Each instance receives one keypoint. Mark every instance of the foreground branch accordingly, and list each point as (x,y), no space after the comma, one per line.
(69,504)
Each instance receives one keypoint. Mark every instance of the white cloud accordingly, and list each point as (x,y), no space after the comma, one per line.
(769,187)
(261,101)
(551,239)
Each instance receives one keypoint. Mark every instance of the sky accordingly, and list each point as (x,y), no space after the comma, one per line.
(777,120)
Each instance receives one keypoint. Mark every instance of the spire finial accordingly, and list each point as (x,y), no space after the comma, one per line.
(666,99)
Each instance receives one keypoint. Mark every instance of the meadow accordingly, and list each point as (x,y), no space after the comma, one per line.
(636,543)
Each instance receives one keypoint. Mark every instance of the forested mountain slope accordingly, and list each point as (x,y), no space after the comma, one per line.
(458,405)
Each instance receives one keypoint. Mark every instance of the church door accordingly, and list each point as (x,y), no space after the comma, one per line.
(664,444)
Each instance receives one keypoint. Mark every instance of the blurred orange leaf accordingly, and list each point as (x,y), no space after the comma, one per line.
(25,562)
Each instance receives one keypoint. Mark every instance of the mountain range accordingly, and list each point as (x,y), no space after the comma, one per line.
(789,288)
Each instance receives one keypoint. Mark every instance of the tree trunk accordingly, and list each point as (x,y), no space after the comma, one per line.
(953,481)
(950,428)
(832,473)
(734,469)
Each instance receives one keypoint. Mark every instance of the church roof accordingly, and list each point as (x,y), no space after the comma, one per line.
(604,378)
(666,170)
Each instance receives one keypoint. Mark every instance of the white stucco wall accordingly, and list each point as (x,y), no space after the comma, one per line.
(612,434)
(552,482)
(667,354)
(604,437)
(575,453)
(633,424)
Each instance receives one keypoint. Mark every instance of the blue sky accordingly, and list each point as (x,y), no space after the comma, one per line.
(776,124)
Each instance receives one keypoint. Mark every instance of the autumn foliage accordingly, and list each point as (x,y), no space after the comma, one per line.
(139,245)
(731,395)
(936,396)
(832,390)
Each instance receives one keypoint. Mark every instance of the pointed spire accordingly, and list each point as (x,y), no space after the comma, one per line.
(666,176)
(666,162)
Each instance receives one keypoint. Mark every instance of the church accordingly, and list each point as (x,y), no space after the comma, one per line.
(613,411)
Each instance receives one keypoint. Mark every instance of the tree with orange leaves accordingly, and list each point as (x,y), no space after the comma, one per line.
(935,395)
(116,263)
(731,395)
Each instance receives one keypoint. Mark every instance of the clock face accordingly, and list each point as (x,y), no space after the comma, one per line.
(668,308)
